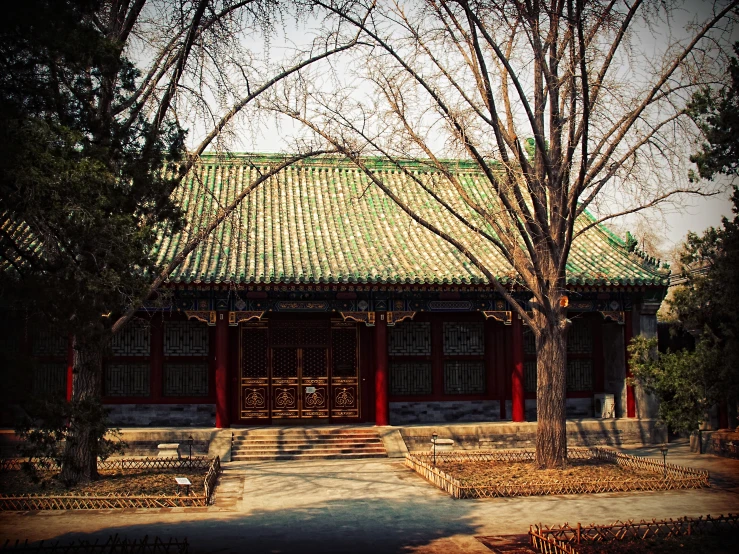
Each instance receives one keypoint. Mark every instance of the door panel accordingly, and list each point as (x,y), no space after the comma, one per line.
(285,382)
(254,371)
(299,370)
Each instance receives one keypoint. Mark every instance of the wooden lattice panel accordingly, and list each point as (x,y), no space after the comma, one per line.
(254,349)
(580,337)
(185,379)
(315,362)
(580,374)
(344,352)
(127,378)
(461,377)
(49,344)
(410,378)
(284,363)
(529,375)
(185,338)
(409,338)
(463,339)
(133,340)
(50,378)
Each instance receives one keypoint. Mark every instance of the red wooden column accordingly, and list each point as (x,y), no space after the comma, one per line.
(518,399)
(70,366)
(628,334)
(599,370)
(221,360)
(157,357)
(381,401)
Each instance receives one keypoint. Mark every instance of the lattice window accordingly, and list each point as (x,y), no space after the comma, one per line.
(529,375)
(284,362)
(529,342)
(315,335)
(410,339)
(344,351)
(462,377)
(47,343)
(580,337)
(464,339)
(580,375)
(410,378)
(284,336)
(186,379)
(254,347)
(185,338)
(133,340)
(50,379)
(127,379)
(315,363)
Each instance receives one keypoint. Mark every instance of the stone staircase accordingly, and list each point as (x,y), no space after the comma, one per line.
(297,443)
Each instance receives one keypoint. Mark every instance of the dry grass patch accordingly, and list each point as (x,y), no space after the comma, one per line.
(112,481)
(491,473)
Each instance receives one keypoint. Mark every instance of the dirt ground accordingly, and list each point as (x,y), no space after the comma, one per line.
(128,481)
(517,473)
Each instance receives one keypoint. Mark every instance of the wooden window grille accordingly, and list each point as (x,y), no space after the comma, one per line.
(128,372)
(410,378)
(464,377)
(186,379)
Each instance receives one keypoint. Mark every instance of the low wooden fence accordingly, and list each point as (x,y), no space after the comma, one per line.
(117,501)
(666,476)
(564,538)
(114,545)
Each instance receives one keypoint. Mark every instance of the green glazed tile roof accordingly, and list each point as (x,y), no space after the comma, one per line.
(322,221)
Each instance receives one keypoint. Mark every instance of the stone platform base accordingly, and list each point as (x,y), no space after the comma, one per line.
(503,435)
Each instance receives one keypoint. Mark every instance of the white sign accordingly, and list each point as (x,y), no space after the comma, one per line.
(310,390)
(182,481)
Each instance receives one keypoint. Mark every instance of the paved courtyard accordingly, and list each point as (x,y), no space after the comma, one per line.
(369,506)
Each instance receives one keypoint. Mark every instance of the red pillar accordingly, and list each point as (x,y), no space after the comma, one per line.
(628,334)
(381,402)
(599,381)
(157,357)
(221,361)
(518,410)
(70,366)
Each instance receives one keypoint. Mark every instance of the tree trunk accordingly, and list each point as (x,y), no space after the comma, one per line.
(551,389)
(79,463)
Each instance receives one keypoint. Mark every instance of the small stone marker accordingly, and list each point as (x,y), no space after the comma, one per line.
(169,450)
(443,445)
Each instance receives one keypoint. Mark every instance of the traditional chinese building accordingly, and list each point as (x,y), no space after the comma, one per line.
(320,300)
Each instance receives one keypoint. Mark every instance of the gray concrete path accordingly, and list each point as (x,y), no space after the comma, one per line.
(369,506)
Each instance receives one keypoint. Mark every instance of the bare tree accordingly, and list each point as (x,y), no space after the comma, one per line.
(563,106)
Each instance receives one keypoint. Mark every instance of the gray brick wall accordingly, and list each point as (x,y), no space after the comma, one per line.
(403,413)
(163,415)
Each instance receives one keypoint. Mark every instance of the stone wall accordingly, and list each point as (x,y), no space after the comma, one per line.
(503,435)
(162,415)
(403,413)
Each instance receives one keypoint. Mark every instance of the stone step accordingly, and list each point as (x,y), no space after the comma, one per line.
(306,448)
(296,440)
(254,434)
(304,456)
(358,451)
